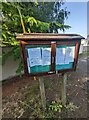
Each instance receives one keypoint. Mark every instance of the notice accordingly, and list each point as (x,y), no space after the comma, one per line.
(60,56)
(69,55)
(46,56)
(34,55)
(65,55)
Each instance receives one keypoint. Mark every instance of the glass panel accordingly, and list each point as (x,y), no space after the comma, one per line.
(65,57)
(38,58)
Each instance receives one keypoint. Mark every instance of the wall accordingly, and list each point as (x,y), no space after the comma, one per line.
(10,66)
(85,44)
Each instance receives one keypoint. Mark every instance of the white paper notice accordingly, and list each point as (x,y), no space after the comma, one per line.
(60,56)
(69,56)
(65,55)
(34,55)
(46,56)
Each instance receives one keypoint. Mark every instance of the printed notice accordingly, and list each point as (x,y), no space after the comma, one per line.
(34,55)
(46,56)
(65,55)
(60,56)
(69,56)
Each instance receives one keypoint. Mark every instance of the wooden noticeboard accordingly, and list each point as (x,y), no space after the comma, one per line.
(45,53)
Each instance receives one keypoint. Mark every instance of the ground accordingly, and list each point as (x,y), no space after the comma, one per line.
(21,95)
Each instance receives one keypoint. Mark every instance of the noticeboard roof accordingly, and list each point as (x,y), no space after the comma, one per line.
(48,36)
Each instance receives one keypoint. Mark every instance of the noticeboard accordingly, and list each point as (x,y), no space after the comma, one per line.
(65,57)
(47,53)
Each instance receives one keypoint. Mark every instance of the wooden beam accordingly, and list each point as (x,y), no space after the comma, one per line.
(42,91)
(63,89)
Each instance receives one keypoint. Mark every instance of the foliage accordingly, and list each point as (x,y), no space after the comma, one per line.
(56,107)
(38,17)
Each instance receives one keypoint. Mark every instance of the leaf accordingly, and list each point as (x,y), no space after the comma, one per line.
(3,35)
(32,21)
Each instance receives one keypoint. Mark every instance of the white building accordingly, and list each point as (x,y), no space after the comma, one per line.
(84,45)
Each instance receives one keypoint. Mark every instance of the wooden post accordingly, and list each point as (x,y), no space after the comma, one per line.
(63,89)
(42,91)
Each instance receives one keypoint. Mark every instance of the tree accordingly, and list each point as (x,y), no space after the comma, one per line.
(37,17)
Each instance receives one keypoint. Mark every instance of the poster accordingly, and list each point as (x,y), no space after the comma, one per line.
(46,56)
(34,55)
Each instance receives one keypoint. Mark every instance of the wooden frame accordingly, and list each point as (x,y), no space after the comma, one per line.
(49,39)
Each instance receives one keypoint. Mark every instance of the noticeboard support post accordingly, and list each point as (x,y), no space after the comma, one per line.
(63,89)
(42,91)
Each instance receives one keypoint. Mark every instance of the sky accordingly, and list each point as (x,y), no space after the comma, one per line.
(77,18)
